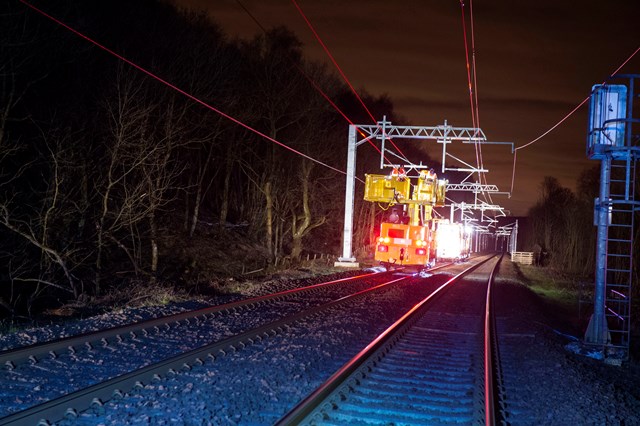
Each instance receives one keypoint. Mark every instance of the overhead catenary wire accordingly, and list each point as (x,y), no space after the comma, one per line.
(475,69)
(311,81)
(469,79)
(177,89)
(472,82)
(342,74)
(584,101)
(483,176)
(466,55)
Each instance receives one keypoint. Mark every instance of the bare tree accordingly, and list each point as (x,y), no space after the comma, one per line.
(161,168)
(278,87)
(302,224)
(38,225)
(121,191)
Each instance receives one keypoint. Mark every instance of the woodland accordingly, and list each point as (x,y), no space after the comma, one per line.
(103,167)
(109,176)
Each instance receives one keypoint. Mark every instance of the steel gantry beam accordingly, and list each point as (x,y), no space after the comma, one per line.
(474,187)
(485,225)
(384,131)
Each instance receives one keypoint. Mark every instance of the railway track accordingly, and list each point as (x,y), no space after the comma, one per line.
(86,352)
(432,366)
(288,356)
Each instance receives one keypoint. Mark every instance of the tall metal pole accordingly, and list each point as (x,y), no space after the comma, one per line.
(347,258)
(477,240)
(514,238)
(597,331)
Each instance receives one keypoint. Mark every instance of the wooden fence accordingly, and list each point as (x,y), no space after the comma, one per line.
(524,257)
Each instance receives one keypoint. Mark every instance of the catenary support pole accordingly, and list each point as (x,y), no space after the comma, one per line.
(347,235)
(597,332)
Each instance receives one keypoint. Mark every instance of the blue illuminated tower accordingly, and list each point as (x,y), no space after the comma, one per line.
(610,139)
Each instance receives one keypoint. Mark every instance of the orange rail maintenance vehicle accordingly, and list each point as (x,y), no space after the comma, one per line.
(406,235)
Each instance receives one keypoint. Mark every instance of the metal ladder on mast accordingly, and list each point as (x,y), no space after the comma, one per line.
(619,264)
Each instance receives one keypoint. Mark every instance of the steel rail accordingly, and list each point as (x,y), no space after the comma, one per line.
(314,401)
(13,357)
(94,396)
(491,356)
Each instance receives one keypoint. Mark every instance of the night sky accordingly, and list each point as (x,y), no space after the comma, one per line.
(536,61)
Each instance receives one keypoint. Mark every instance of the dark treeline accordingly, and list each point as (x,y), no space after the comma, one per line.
(560,224)
(561,227)
(100,163)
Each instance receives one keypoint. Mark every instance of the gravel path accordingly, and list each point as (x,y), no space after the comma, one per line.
(563,388)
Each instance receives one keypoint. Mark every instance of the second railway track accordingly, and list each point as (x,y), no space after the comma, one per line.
(284,306)
(73,363)
(254,379)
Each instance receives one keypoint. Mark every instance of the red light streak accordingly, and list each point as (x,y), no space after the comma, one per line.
(513,175)
(331,57)
(469,82)
(177,89)
(313,83)
(326,49)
